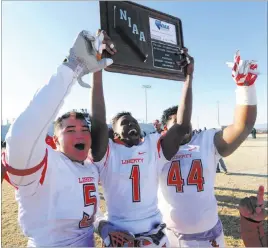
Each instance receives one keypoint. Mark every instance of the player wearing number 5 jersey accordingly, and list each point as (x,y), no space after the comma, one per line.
(129,173)
(186,198)
(57,190)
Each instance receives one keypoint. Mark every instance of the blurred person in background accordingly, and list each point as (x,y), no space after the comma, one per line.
(158,126)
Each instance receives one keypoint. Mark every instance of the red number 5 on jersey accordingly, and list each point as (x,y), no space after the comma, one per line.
(195,176)
(89,199)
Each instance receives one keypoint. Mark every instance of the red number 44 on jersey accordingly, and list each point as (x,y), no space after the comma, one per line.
(195,176)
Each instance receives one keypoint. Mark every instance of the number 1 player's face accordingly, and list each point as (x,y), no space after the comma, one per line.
(74,139)
(128,130)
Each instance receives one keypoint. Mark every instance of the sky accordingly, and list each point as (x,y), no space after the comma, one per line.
(37,35)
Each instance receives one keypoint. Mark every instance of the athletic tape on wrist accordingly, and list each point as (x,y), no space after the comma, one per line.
(246,95)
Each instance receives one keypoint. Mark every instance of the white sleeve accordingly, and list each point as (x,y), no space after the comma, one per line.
(25,141)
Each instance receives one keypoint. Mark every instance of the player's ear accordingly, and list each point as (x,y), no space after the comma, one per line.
(165,128)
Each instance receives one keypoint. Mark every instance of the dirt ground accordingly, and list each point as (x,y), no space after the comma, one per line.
(247,169)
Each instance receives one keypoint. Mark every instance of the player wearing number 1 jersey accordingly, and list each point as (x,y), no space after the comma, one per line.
(57,190)
(186,198)
(130,171)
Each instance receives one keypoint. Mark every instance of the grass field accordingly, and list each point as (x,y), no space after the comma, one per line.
(247,169)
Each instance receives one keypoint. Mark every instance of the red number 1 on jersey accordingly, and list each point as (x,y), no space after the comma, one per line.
(195,176)
(135,177)
(89,199)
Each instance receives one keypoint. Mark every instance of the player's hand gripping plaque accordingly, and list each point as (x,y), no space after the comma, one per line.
(148,41)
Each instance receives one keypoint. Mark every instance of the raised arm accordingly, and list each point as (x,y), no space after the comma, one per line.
(99,126)
(25,140)
(228,140)
(26,149)
(174,136)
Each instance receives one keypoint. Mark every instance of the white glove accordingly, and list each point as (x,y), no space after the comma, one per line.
(84,54)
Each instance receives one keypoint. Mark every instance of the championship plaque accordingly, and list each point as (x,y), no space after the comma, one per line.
(147,41)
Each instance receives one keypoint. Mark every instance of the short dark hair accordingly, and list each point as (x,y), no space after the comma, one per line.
(118,116)
(167,113)
(78,115)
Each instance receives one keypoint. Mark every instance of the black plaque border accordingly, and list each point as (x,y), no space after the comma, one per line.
(131,70)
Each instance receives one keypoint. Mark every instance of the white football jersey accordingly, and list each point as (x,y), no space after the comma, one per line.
(129,177)
(57,198)
(60,209)
(186,195)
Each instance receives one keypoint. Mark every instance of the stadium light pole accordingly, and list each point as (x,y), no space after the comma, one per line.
(145,87)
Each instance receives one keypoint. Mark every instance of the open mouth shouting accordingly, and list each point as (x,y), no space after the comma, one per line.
(80,146)
(133,133)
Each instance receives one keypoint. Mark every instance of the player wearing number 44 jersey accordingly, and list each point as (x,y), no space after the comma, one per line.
(130,171)
(57,190)
(186,198)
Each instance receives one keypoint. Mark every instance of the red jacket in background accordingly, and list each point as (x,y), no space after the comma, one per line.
(50,142)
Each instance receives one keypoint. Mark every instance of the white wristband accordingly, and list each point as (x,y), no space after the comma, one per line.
(246,95)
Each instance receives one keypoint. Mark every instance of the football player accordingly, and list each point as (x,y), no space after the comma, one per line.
(129,172)
(57,190)
(187,198)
